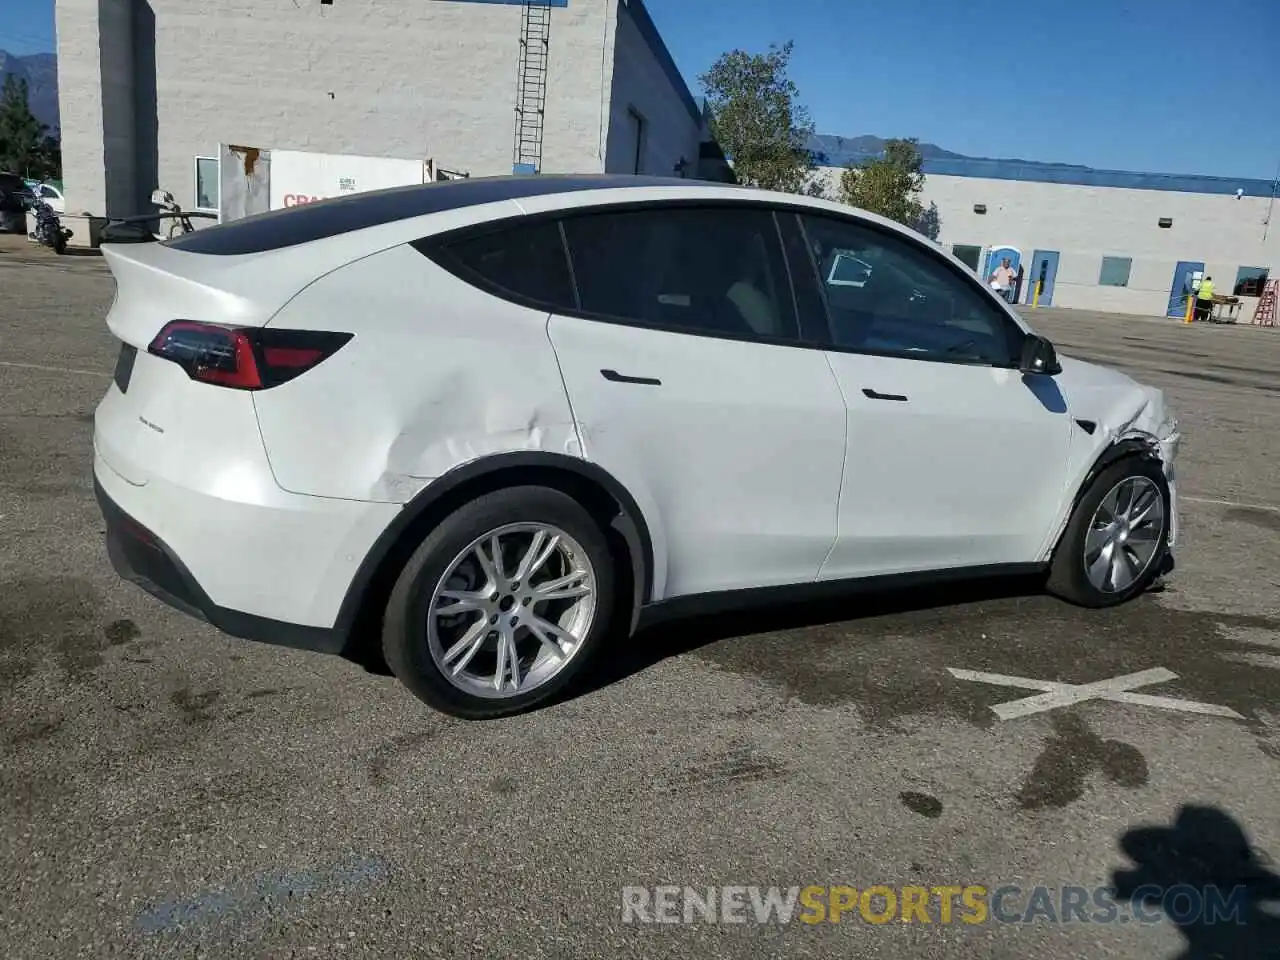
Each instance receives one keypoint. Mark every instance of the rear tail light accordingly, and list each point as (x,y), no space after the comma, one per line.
(243,358)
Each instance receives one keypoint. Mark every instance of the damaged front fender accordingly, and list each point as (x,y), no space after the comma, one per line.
(1127,419)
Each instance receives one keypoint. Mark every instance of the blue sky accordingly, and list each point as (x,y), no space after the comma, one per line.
(1110,84)
(26,26)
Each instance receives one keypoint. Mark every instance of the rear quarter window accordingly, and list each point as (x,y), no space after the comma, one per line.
(519,261)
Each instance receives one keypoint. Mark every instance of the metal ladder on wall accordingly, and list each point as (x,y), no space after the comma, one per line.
(531,85)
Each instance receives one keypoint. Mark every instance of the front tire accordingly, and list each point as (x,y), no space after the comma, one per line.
(502,606)
(1117,539)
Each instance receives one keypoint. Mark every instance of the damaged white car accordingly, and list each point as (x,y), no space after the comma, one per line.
(485,425)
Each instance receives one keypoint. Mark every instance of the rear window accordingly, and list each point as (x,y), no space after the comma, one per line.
(520,261)
(329,218)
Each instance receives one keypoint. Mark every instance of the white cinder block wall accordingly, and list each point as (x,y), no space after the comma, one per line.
(95,80)
(649,99)
(387,78)
(1085,223)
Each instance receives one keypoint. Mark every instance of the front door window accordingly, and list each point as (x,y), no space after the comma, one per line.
(885,296)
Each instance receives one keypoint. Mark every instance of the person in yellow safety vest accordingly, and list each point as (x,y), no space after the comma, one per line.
(1204,299)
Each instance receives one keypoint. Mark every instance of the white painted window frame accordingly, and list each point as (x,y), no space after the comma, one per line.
(195,184)
(1128,274)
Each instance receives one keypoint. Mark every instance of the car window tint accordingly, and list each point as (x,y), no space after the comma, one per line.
(704,270)
(523,260)
(886,294)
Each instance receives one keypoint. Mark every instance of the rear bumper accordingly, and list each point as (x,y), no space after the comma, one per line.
(142,558)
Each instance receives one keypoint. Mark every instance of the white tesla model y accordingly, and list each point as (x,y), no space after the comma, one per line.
(491,423)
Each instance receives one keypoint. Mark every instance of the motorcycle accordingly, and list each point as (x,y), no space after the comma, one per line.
(49,231)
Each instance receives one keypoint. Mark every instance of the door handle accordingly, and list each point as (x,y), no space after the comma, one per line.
(874,395)
(616,377)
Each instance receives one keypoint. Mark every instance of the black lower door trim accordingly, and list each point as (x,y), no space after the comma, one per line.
(723,601)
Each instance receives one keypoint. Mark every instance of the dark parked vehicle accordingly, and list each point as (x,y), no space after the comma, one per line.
(15,200)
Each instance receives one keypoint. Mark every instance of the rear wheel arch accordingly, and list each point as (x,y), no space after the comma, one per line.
(607,500)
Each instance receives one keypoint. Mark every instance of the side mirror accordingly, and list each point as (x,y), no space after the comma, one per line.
(1039,357)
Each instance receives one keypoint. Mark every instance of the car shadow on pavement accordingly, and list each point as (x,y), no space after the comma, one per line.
(1203,875)
(672,638)
(649,646)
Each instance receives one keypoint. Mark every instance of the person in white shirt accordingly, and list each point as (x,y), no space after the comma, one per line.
(1002,278)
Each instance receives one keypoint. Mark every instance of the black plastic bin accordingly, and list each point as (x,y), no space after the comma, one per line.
(13,214)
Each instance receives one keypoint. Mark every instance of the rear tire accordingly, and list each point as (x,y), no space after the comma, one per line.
(460,663)
(1117,540)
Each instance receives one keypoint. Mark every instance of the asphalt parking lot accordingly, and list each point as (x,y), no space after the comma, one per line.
(168,791)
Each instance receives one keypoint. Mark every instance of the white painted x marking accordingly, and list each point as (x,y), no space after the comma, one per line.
(1117,690)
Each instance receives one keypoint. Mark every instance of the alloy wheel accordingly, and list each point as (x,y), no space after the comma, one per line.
(1124,535)
(512,609)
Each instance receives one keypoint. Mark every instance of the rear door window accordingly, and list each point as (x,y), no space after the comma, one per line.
(716,271)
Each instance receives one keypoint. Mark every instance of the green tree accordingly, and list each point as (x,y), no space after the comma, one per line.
(758,121)
(25,147)
(890,185)
(50,162)
(930,223)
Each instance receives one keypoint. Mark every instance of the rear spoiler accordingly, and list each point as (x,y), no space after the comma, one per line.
(156,283)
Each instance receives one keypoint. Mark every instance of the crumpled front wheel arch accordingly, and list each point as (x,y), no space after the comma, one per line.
(1145,446)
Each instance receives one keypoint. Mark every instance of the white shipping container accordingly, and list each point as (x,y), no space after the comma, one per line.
(299,177)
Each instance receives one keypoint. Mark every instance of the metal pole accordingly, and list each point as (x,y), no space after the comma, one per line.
(1266,224)
(1035,303)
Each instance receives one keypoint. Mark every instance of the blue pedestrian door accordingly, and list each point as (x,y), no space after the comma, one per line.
(1181,289)
(1044,268)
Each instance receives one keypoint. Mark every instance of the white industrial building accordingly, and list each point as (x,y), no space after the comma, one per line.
(244,105)
(1103,239)
(156,93)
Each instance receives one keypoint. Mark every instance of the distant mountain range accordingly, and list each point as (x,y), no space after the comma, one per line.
(40,70)
(833,151)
